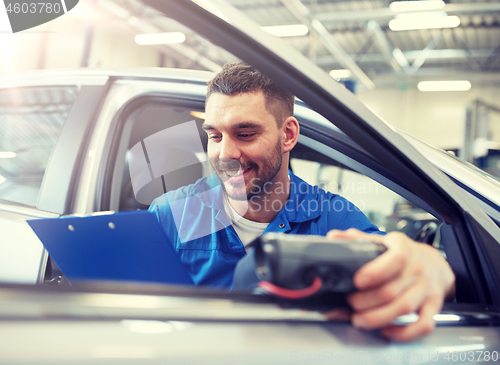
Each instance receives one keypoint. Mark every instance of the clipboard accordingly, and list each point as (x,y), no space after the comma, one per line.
(124,246)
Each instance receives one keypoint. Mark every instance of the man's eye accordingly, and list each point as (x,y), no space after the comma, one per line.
(214,137)
(246,135)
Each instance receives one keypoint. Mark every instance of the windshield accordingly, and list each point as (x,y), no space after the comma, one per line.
(469,175)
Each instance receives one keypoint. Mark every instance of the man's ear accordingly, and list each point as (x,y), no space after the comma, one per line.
(291,131)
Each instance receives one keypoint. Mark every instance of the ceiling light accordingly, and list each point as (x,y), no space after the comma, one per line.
(424,22)
(160,38)
(196,114)
(293,30)
(421,15)
(340,74)
(402,6)
(456,85)
(7,154)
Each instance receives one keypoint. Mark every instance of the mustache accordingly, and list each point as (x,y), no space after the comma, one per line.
(229,164)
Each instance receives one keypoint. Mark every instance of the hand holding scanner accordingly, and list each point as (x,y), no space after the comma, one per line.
(298,266)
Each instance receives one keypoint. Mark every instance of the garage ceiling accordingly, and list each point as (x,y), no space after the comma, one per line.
(354,35)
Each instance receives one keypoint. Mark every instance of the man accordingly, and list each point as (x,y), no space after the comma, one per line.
(251,131)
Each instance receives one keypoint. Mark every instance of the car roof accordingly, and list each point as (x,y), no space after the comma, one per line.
(196,76)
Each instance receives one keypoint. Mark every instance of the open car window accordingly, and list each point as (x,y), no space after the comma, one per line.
(162,147)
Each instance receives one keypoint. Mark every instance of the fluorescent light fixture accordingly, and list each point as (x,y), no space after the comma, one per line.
(455,85)
(2,179)
(424,22)
(160,38)
(7,154)
(421,15)
(402,6)
(196,114)
(292,30)
(340,74)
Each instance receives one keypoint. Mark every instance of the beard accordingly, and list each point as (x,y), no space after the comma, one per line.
(264,174)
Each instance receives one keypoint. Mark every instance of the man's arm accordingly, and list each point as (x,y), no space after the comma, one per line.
(408,277)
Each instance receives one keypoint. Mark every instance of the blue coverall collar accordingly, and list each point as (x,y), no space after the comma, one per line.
(297,209)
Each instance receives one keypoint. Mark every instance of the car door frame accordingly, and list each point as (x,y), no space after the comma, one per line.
(474,238)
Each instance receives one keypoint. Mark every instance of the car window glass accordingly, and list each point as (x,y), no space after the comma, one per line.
(385,208)
(165,150)
(375,200)
(31,120)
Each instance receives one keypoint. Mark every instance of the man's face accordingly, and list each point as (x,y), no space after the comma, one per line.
(244,143)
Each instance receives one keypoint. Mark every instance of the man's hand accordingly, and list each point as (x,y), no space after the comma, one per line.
(408,277)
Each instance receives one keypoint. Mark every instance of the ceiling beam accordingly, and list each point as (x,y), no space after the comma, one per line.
(393,56)
(302,13)
(392,80)
(425,54)
(411,56)
(383,14)
(196,56)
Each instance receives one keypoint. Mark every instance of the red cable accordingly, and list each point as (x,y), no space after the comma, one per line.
(289,293)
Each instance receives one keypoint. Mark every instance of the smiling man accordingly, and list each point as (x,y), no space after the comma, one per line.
(249,148)
(251,131)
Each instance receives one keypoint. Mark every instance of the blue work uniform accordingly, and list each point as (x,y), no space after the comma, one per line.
(195,220)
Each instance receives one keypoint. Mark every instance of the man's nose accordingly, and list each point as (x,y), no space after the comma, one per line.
(229,149)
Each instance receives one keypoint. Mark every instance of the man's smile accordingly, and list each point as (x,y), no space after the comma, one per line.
(236,176)
(232,171)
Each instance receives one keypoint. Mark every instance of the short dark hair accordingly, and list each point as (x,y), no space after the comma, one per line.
(240,77)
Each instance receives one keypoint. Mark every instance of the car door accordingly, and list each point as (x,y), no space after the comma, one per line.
(44,120)
(471,237)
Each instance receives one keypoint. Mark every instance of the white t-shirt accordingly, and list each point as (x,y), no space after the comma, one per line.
(246,229)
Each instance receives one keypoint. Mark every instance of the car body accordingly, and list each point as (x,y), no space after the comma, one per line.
(89,122)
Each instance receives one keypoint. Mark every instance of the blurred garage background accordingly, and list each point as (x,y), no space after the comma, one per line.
(394,55)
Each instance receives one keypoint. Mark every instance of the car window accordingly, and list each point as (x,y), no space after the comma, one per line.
(164,149)
(31,120)
(385,208)
(374,199)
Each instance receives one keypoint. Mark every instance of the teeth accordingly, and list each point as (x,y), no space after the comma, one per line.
(234,173)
